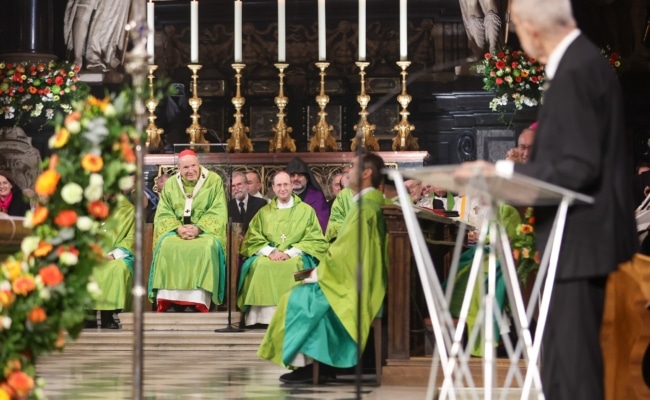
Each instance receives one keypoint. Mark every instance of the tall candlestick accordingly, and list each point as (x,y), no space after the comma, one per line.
(282,23)
(152,30)
(194,31)
(362,30)
(322,31)
(403,35)
(237,33)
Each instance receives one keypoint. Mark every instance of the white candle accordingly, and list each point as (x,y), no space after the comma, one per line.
(362,30)
(151,31)
(403,34)
(282,24)
(237,33)
(194,31)
(322,31)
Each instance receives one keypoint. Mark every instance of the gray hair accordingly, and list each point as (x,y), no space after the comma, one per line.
(239,174)
(547,15)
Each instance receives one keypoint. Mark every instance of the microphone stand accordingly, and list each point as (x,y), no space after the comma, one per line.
(229,327)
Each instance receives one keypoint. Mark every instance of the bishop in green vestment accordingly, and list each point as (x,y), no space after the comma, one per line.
(115,276)
(188,264)
(318,320)
(284,237)
(340,207)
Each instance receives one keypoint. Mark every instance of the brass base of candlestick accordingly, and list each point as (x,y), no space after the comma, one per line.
(282,139)
(364,129)
(238,141)
(322,140)
(195,131)
(153,143)
(403,140)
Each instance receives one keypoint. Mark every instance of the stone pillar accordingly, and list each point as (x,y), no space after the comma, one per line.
(26,28)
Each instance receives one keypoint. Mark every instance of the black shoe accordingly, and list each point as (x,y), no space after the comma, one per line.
(108,321)
(305,375)
(110,325)
(190,309)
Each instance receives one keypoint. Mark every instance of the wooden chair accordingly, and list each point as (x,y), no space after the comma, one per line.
(379,354)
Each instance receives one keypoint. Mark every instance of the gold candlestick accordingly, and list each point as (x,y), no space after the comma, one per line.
(322,139)
(282,138)
(238,141)
(368,139)
(403,140)
(153,142)
(195,130)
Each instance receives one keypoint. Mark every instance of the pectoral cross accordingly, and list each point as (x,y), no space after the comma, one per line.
(283,237)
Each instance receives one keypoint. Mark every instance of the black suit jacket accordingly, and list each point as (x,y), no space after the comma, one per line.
(580,145)
(253,206)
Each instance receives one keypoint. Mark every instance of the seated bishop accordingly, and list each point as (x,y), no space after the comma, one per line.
(284,237)
(318,320)
(188,264)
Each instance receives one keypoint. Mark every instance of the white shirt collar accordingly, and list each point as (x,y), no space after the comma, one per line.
(556,55)
(282,205)
(361,193)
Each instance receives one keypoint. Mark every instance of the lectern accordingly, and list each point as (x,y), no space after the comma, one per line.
(12,233)
(491,188)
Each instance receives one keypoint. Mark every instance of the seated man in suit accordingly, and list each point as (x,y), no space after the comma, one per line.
(318,320)
(242,207)
(283,237)
(188,263)
(115,275)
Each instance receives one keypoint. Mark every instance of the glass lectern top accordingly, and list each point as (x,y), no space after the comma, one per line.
(516,190)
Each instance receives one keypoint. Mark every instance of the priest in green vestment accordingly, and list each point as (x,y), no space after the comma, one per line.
(340,208)
(284,237)
(318,320)
(115,276)
(188,264)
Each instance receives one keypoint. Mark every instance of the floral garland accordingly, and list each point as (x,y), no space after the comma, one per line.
(46,287)
(524,248)
(513,77)
(29,91)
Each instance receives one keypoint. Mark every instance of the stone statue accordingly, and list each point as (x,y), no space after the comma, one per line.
(483,22)
(95,32)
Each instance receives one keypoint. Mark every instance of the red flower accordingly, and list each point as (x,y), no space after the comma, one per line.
(518,79)
(20,382)
(36,315)
(51,275)
(58,80)
(98,209)
(487,56)
(501,54)
(515,54)
(514,64)
(66,218)
(499,81)
(501,64)
(70,249)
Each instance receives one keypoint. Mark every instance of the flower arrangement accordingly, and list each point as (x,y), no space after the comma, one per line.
(512,76)
(524,249)
(46,287)
(38,91)
(613,58)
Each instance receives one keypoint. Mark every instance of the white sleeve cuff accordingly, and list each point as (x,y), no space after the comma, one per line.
(293,252)
(117,254)
(313,277)
(265,251)
(505,168)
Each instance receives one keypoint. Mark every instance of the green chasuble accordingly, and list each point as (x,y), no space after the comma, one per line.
(340,208)
(115,277)
(179,264)
(262,281)
(510,218)
(319,319)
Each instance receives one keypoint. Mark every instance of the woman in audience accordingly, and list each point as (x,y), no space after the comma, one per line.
(12,201)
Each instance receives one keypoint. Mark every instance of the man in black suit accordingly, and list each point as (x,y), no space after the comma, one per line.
(579,145)
(242,207)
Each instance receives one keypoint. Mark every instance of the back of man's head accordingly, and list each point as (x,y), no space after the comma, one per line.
(546,15)
(376,165)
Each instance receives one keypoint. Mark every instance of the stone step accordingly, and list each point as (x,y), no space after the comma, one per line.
(154,321)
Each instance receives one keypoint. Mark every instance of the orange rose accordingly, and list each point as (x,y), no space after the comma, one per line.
(92,162)
(127,149)
(46,182)
(44,248)
(66,218)
(51,275)
(36,315)
(6,298)
(54,161)
(73,116)
(20,382)
(61,138)
(515,254)
(531,220)
(40,215)
(526,229)
(23,285)
(536,257)
(98,209)
(60,341)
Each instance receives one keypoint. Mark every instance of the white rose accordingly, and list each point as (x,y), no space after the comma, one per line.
(72,193)
(29,244)
(129,168)
(109,110)
(126,183)
(73,126)
(45,293)
(93,192)
(27,222)
(5,286)
(96,180)
(84,223)
(67,258)
(38,281)
(93,288)
(6,322)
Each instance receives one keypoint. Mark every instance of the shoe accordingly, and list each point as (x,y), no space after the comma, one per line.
(305,375)
(108,321)
(190,309)
(110,325)
(90,324)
